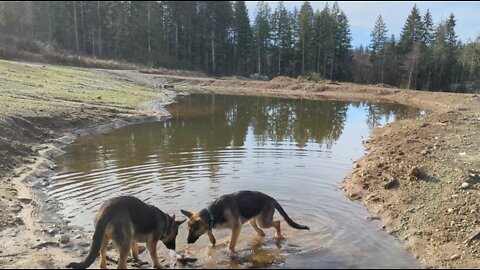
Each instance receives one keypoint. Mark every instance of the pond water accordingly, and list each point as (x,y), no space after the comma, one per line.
(297,151)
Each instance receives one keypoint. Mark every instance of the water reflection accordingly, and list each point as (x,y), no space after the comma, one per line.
(297,151)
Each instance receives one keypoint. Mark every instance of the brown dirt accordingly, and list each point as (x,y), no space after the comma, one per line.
(421,162)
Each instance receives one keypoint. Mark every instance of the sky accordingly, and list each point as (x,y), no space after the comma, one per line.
(362,16)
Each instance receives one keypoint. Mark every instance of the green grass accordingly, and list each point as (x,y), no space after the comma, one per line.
(26,87)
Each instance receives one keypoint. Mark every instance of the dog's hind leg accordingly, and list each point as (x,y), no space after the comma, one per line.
(265,221)
(254,225)
(122,237)
(124,251)
(103,252)
(135,251)
(276,225)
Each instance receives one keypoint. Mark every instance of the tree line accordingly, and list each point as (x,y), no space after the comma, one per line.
(220,38)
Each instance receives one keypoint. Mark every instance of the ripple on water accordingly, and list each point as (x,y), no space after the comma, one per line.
(296,151)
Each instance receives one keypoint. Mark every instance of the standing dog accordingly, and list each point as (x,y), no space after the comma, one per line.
(127,220)
(232,211)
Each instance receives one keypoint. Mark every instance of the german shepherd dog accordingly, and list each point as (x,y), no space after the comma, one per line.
(232,211)
(127,220)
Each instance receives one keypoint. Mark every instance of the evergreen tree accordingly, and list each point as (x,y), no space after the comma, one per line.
(412,31)
(305,25)
(217,37)
(342,45)
(283,37)
(262,35)
(379,36)
(243,37)
(428,29)
(377,45)
(324,38)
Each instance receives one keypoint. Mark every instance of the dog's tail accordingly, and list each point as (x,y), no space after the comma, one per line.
(96,244)
(289,221)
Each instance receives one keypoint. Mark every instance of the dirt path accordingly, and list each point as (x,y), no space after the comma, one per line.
(410,178)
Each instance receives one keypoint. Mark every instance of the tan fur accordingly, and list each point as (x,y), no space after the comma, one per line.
(231,211)
(235,225)
(115,222)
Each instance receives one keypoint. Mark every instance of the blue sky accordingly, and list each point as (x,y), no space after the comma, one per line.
(362,15)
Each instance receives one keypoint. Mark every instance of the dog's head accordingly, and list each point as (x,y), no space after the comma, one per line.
(196,226)
(171,235)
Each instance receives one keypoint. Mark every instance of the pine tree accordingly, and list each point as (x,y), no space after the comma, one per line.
(428,29)
(283,37)
(342,45)
(243,36)
(412,31)
(305,24)
(379,36)
(324,38)
(377,45)
(262,34)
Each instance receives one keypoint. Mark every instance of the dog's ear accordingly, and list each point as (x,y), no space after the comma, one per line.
(187,213)
(180,222)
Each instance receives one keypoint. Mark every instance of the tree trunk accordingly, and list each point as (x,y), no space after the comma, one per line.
(50,30)
(383,65)
(149,38)
(410,74)
(303,55)
(331,67)
(83,28)
(76,26)
(235,60)
(258,52)
(99,30)
(93,41)
(471,69)
(324,75)
(213,51)
(176,44)
(279,60)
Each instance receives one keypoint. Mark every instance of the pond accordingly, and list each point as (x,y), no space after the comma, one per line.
(297,151)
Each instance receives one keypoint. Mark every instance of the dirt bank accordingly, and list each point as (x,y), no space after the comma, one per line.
(410,178)
(43,108)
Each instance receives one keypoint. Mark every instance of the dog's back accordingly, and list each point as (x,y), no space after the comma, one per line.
(246,203)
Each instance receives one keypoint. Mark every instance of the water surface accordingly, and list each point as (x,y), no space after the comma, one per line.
(297,151)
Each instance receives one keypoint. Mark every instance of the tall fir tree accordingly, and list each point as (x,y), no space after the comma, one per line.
(412,31)
(243,37)
(262,35)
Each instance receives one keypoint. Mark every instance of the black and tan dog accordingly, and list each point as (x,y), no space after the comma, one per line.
(127,220)
(232,211)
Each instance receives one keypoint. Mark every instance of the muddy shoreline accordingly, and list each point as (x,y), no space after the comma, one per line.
(441,146)
(37,214)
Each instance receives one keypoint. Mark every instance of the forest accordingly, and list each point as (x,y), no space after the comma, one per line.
(220,39)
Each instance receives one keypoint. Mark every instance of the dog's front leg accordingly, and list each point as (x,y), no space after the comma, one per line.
(235,233)
(152,250)
(211,238)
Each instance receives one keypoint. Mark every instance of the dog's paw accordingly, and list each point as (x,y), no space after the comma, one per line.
(232,254)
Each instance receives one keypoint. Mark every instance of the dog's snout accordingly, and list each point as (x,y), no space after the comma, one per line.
(191,239)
